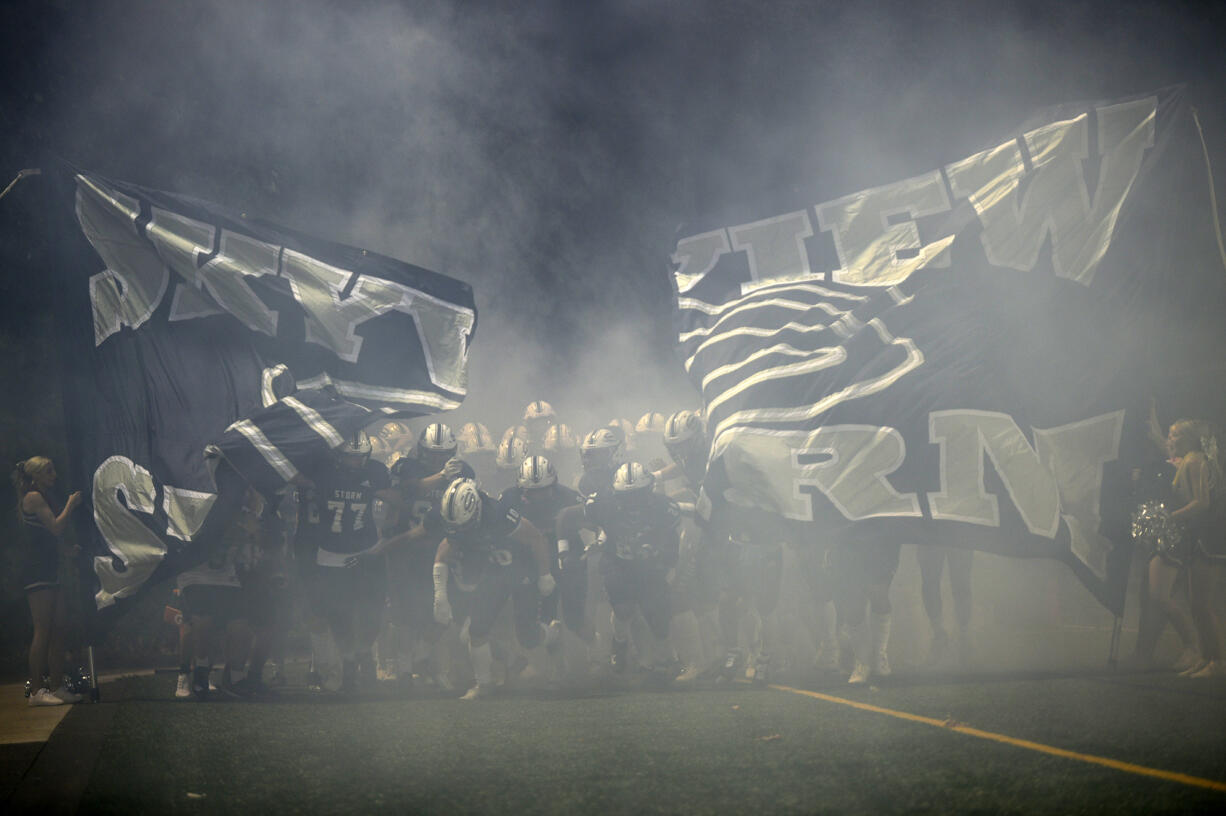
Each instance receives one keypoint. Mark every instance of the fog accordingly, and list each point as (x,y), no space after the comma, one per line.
(548,153)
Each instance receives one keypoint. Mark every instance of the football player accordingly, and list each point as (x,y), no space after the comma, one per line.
(540,498)
(599,454)
(705,603)
(562,450)
(410,543)
(512,451)
(507,557)
(337,514)
(477,448)
(639,540)
(649,438)
(539,417)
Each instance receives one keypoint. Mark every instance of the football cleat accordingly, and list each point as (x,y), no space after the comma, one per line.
(477,692)
(859,674)
(689,676)
(184,687)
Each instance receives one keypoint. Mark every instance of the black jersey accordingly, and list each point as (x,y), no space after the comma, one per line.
(543,507)
(651,533)
(421,507)
(490,542)
(594,482)
(336,514)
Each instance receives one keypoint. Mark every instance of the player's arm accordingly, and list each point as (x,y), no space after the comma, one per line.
(670,471)
(442,607)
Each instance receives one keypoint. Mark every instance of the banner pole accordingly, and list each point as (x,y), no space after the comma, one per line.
(95,694)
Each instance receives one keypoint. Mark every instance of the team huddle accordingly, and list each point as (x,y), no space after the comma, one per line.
(544,558)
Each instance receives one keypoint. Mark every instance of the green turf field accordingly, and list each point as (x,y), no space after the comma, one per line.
(735,749)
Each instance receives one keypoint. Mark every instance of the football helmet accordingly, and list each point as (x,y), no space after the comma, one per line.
(511,453)
(354,451)
(438,441)
(473,437)
(624,430)
(684,436)
(632,485)
(559,438)
(600,450)
(461,506)
(536,472)
(651,422)
(393,431)
(540,411)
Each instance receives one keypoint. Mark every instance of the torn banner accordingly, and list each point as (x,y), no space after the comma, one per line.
(959,356)
(198,317)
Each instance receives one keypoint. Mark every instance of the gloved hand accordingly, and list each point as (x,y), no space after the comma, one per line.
(545,584)
(453,468)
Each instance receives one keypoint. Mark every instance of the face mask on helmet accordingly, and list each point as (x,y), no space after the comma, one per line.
(511,454)
(599,450)
(461,506)
(684,437)
(536,473)
(436,444)
(632,487)
(355,452)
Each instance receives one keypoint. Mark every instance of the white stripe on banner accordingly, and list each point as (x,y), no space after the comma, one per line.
(271,453)
(402,396)
(914,359)
(833,356)
(720,308)
(318,424)
(793,305)
(756,331)
(267,394)
(779,348)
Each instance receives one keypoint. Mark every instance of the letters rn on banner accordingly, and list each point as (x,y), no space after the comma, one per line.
(958,356)
(201,317)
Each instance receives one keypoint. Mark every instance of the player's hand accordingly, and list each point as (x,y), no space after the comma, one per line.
(75,499)
(442,610)
(546,585)
(453,468)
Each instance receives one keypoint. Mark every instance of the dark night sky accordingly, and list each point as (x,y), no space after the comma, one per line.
(547,151)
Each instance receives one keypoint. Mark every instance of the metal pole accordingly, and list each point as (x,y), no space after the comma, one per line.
(1114,654)
(94,694)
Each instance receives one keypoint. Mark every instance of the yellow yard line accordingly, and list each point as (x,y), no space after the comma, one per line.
(950,725)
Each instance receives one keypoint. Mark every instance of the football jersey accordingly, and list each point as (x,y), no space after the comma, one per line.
(542,511)
(595,482)
(490,541)
(418,506)
(653,533)
(335,515)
